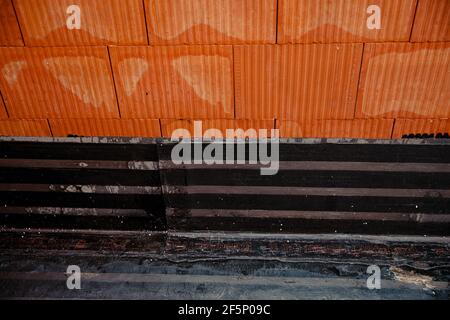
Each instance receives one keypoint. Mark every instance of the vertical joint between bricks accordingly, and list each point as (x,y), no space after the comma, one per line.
(114,81)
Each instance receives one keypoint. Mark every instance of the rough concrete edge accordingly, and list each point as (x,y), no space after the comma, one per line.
(139,140)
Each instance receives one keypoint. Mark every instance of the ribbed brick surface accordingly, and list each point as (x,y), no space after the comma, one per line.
(420,126)
(211,22)
(44,22)
(24,128)
(105,127)
(3,114)
(57,82)
(432,21)
(372,129)
(168,126)
(405,81)
(313,67)
(296,82)
(9,28)
(325,21)
(174,82)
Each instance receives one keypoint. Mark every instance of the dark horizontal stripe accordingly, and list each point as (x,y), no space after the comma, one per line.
(309,203)
(416,153)
(320,191)
(77,176)
(96,164)
(82,222)
(78,151)
(320,165)
(75,211)
(315,215)
(366,152)
(292,151)
(305,178)
(79,188)
(309,226)
(154,204)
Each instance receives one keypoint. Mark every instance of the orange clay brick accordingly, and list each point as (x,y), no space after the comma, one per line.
(106,127)
(174,82)
(357,128)
(415,126)
(326,21)
(211,22)
(24,128)
(168,126)
(432,22)
(45,22)
(9,28)
(296,82)
(402,80)
(57,82)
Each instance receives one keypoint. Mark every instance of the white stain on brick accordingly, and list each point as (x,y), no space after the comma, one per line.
(197,13)
(71,72)
(201,73)
(398,81)
(131,71)
(10,71)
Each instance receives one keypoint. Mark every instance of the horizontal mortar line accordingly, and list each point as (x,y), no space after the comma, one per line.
(74,211)
(312,215)
(76,188)
(140,140)
(78,164)
(307,191)
(240,235)
(89,140)
(322,165)
(314,282)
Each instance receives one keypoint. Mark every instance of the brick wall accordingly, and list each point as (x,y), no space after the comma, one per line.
(312,68)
